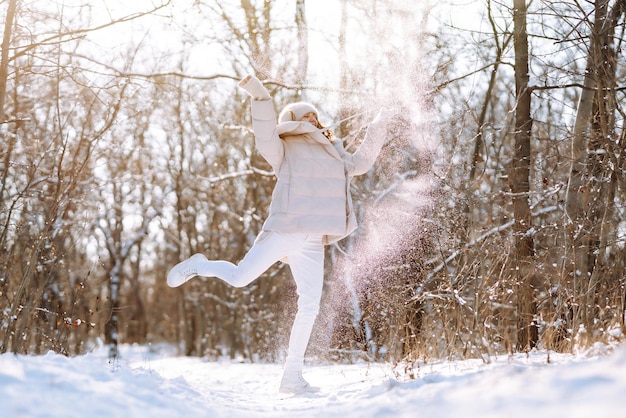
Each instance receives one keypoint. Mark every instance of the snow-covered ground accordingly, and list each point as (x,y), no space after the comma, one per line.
(151,383)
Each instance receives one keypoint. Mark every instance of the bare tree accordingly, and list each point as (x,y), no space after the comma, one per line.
(523,261)
(4,60)
(593,179)
(303,42)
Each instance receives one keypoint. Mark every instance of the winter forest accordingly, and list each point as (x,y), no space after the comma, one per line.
(494,220)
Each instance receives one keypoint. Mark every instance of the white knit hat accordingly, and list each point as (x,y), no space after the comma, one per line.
(295,111)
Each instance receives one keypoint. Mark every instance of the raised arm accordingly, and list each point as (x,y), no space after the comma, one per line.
(363,159)
(264,122)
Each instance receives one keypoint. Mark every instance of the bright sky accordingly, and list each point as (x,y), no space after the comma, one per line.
(166,31)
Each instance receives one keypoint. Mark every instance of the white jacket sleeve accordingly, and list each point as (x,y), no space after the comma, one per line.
(364,157)
(266,136)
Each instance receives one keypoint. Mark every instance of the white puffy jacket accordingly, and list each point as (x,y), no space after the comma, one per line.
(312,192)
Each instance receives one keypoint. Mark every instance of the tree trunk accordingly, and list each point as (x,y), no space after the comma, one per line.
(4,62)
(593,178)
(520,185)
(576,196)
(303,43)
(111,327)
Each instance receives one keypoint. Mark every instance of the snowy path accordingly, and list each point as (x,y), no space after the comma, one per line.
(251,390)
(516,386)
(154,384)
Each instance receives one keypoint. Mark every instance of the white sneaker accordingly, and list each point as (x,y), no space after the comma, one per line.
(293,382)
(184,271)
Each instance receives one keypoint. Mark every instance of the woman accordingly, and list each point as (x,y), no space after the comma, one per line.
(311,206)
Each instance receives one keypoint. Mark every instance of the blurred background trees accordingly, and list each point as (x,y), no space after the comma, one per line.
(493,221)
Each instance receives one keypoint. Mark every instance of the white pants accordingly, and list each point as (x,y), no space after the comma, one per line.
(305,254)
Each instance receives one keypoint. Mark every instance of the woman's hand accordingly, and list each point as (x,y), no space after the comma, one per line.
(254,88)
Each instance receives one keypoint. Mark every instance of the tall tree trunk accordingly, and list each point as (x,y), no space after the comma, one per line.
(520,185)
(577,197)
(4,61)
(303,43)
(593,178)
